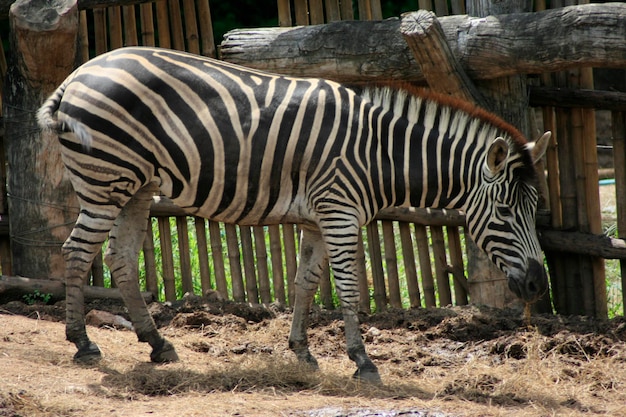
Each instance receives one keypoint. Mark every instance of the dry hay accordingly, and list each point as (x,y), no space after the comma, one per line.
(445,362)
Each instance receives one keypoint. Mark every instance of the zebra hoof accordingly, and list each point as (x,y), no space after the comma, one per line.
(90,353)
(165,353)
(305,358)
(368,374)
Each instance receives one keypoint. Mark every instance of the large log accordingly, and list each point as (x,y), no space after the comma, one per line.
(15,288)
(42,202)
(487,48)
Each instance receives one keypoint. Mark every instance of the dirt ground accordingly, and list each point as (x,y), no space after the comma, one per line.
(460,361)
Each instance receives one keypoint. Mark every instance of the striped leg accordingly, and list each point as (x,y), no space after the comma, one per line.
(79,250)
(342,249)
(127,236)
(312,258)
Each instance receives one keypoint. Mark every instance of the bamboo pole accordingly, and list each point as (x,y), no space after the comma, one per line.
(408,255)
(163,24)
(182,232)
(316,12)
(391,261)
(441,273)
(217,254)
(456,266)
(83,36)
(301,9)
(247,252)
(234,260)
(115,27)
(378,279)
(278,276)
(176,25)
(147,24)
(284,13)
(100,31)
(207,40)
(333,12)
(192,35)
(165,237)
(423,251)
(262,268)
(203,254)
(130,26)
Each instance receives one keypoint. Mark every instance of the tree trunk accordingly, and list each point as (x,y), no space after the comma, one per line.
(42,203)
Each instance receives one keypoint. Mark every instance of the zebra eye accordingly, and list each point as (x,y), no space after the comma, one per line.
(504,211)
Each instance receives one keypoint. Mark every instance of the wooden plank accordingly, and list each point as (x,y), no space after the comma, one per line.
(423,251)
(284,13)
(115,27)
(182,232)
(391,261)
(176,25)
(150,262)
(333,11)
(167,261)
(163,24)
(408,255)
(316,12)
(618,122)
(130,26)
(83,36)
(247,252)
(347,13)
(441,270)
(291,265)
(262,268)
(207,39)
(100,31)
(301,9)
(192,35)
(376,261)
(203,254)
(217,254)
(234,260)
(456,265)
(276,253)
(147,24)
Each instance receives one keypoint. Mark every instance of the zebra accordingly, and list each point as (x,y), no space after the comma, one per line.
(241,146)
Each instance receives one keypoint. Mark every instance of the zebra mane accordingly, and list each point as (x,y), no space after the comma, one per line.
(404,99)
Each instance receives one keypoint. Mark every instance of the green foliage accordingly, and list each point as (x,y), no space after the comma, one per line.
(37,297)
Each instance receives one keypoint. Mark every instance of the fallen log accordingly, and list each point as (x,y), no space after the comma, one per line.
(15,288)
(487,48)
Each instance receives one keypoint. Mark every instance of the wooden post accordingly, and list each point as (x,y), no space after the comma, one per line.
(42,202)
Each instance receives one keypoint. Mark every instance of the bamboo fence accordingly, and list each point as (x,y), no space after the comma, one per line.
(408,263)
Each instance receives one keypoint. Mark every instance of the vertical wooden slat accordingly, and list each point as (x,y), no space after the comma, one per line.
(207,40)
(409,265)
(182,231)
(333,13)
(130,26)
(378,278)
(150,262)
(457,6)
(147,24)
(176,25)
(425,5)
(364,288)
(100,30)
(441,8)
(276,253)
(291,265)
(423,251)
(316,12)
(163,24)
(247,252)
(115,27)
(456,262)
(165,237)
(97,271)
(347,12)
(83,35)
(260,250)
(217,254)
(618,120)
(234,260)
(191,27)
(301,9)
(284,12)
(439,252)
(391,261)
(365,10)
(203,254)
(325,288)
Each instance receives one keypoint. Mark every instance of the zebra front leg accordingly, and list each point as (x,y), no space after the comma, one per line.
(312,258)
(342,251)
(125,242)
(79,250)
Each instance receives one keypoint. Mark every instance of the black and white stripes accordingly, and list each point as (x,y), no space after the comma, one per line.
(241,146)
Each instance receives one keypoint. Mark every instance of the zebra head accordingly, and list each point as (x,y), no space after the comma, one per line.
(501,214)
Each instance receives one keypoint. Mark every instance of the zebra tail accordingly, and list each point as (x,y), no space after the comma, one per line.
(48,122)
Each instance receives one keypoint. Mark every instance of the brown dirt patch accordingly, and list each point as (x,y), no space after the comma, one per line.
(460,361)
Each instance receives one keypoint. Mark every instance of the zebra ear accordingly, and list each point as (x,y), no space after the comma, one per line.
(538,147)
(496,156)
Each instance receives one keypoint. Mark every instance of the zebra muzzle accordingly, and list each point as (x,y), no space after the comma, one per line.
(531,286)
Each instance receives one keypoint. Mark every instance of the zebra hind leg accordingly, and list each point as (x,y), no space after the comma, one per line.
(125,242)
(312,258)
(79,250)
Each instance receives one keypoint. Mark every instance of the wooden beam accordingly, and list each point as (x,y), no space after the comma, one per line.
(487,48)
(577,98)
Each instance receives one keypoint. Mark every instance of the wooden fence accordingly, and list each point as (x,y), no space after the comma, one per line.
(414,257)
